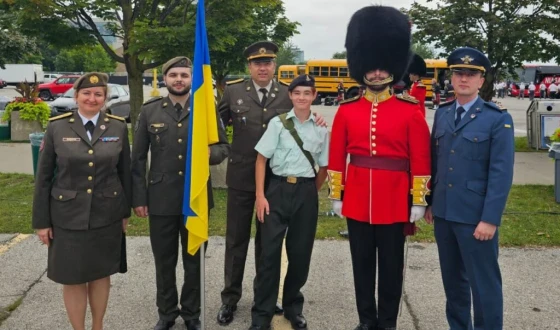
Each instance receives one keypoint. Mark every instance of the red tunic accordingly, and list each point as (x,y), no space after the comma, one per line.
(392,128)
(418,91)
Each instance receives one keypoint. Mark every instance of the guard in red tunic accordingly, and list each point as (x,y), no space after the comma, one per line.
(417,70)
(382,190)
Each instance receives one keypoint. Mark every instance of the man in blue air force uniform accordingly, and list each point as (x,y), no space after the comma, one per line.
(472,171)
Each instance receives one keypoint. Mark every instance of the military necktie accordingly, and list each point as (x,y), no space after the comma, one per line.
(263,91)
(460,111)
(90,127)
(179,109)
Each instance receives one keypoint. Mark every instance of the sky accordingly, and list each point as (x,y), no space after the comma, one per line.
(323,23)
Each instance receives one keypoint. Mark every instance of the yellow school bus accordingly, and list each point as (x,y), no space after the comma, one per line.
(287,73)
(435,69)
(328,74)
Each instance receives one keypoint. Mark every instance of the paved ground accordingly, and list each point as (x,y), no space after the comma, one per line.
(530,279)
(530,276)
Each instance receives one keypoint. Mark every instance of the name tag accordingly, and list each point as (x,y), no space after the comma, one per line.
(158,125)
(109,139)
(71,139)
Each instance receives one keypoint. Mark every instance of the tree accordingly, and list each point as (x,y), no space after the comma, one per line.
(84,58)
(340,55)
(153,31)
(424,50)
(509,32)
(13,44)
(286,55)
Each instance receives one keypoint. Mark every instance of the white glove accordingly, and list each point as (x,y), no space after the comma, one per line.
(416,213)
(337,208)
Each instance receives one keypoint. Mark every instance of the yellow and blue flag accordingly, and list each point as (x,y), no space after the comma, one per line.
(202,132)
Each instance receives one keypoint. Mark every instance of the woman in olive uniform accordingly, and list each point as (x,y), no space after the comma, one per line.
(82,199)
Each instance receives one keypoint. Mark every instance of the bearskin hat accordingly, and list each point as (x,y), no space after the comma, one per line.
(417,66)
(378,37)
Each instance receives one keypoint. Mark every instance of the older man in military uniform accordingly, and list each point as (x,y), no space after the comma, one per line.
(248,105)
(162,127)
(472,167)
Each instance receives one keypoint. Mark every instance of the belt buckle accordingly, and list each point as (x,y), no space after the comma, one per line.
(291,179)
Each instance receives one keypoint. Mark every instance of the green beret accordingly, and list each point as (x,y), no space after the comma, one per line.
(262,51)
(177,62)
(92,79)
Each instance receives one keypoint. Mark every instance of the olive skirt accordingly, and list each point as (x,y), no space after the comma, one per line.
(81,256)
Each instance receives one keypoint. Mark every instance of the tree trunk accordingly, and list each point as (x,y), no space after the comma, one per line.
(135,85)
(487,90)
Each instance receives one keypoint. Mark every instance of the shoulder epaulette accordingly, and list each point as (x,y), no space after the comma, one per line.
(355,98)
(68,114)
(235,81)
(115,117)
(153,100)
(446,103)
(407,98)
(496,106)
(283,83)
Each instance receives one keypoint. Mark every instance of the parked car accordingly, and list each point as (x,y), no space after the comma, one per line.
(121,109)
(56,88)
(3,83)
(50,77)
(66,102)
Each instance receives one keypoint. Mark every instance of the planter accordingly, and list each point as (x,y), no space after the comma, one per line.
(4,128)
(218,174)
(21,129)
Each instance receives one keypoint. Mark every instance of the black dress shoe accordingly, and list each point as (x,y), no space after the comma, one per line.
(389,328)
(259,327)
(164,325)
(225,315)
(278,310)
(192,324)
(362,326)
(297,321)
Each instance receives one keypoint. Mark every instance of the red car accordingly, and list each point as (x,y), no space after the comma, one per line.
(50,90)
(3,83)
(514,90)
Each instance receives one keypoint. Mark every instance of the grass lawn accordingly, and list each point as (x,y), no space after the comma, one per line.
(531,217)
(522,145)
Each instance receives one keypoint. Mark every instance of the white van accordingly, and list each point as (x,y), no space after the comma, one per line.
(49,77)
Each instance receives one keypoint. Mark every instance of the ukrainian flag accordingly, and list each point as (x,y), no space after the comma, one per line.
(202,132)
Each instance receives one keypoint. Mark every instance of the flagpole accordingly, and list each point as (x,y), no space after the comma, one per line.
(202,287)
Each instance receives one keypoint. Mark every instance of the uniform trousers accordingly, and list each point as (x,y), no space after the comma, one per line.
(240,207)
(469,266)
(164,237)
(382,245)
(294,209)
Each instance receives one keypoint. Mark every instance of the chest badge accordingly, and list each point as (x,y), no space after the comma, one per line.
(109,139)
(239,102)
(71,139)
(272,95)
(473,115)
(102,127)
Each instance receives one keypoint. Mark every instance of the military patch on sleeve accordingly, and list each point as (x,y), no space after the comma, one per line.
(355,98)
(235,81)
(152,100)
(507,125)
(407,98)
(115,117)
(68,114)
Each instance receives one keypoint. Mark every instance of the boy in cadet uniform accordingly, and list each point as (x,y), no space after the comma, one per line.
(294,143)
